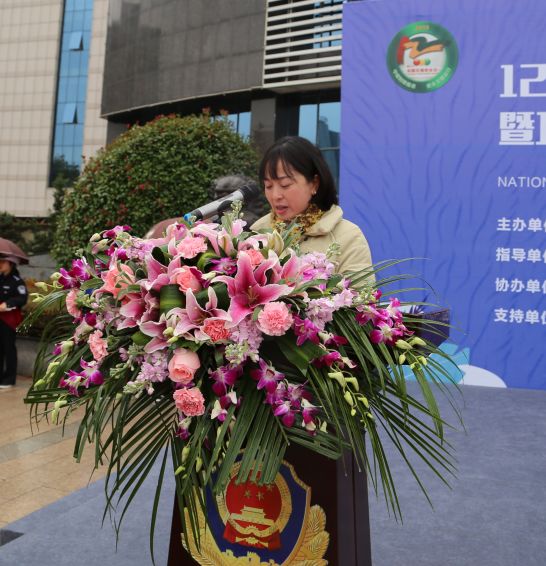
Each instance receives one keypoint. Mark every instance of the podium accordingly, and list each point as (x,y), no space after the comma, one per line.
(338,488)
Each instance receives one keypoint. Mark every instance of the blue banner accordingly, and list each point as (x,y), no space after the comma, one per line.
(443,157)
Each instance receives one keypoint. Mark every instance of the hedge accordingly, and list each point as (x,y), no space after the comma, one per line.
(151,172)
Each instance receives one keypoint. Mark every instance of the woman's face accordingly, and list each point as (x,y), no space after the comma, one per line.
(289,194)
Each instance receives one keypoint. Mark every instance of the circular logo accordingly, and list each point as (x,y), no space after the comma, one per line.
(422,57)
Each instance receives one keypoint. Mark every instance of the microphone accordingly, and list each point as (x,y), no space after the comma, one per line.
(218,206)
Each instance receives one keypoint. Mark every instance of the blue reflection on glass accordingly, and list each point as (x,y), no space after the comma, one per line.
(308,122)
(329,123)
(72,87)
(243,127)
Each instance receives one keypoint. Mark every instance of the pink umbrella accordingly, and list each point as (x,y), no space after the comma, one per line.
(12,252)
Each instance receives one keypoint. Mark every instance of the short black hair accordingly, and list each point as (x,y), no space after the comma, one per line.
(300,155)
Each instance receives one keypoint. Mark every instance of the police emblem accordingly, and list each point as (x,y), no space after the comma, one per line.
(262,525)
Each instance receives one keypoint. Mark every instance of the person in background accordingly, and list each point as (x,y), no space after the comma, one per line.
(221,187)
(224,186)
(13,296)
(300,189)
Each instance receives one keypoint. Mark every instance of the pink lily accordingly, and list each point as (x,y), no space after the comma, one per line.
(249,289)
(193,316)
(159,274)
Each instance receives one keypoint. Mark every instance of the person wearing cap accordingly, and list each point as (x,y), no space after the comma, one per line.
(13,296)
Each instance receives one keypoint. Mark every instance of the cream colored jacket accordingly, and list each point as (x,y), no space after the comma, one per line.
(332,228)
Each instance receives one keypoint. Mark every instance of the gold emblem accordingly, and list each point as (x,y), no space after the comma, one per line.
(254,517)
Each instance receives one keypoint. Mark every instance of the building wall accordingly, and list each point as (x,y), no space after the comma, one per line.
(29,46)
(162,51)
(30,35)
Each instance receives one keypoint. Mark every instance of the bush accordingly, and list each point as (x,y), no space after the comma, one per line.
(152,172)
(32,235)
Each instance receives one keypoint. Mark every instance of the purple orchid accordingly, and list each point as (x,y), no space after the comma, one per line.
(115,231)
(327,360)
(266,376)
(224,378)
(305,330)
(385,333)
(90,375)
(224,265)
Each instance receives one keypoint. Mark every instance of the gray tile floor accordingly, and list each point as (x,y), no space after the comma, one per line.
(494,514)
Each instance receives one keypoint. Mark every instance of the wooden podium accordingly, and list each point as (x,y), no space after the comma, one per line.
(340,491)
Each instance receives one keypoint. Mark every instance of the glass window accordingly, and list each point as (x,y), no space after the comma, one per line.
(68,135)
(308,122)
(78,18)
(88,20)
(243,128)
(70,87)
(70,114)
(82,89)
(329,118)
(75,43)
(232,119)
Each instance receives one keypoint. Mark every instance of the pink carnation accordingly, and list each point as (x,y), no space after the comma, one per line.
(190,402)
(71,304)
(189,247)
(186,279)
(256,257)
(216,329)
(98,346)
(275,319)
(183,366)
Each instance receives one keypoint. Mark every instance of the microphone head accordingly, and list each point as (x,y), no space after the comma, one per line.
(250,191)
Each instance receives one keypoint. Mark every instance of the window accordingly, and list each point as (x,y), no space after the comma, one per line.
(75,42)
(70,113)
(321,123)
(71,91)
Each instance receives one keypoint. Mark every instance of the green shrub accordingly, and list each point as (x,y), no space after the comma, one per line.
(32,235)
(152,172)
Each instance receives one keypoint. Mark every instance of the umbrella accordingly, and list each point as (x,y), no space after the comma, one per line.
(12,252)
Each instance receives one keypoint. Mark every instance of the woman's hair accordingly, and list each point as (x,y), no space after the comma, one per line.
(300,155)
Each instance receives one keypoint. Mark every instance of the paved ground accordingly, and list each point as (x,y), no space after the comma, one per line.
(35,469)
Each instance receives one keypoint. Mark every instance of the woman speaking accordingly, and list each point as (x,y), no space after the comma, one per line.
(300,189)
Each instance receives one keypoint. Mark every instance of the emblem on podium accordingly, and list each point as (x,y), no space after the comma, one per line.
(262,525)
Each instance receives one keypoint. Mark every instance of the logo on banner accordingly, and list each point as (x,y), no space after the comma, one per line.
(251,523)
(422,57)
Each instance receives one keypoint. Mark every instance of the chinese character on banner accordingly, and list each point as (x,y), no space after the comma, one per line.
(534,255)
(516,315)
(516,286)
(543,317)
(518,225)
(518,254)
(533,286)
(503,254)
(535,225)
(517,128)
(503,225)
(501,285)
(501,315)
(532,317)
(544,286)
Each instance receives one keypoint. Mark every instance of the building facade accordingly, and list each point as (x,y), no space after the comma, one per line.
(274,65)
(51,69)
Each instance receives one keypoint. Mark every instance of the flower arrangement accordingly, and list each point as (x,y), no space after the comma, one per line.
(212,342)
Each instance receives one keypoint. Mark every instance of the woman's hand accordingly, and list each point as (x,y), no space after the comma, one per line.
(3,307)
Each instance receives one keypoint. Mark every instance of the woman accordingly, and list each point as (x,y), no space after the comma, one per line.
(299,187)
(13,296)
